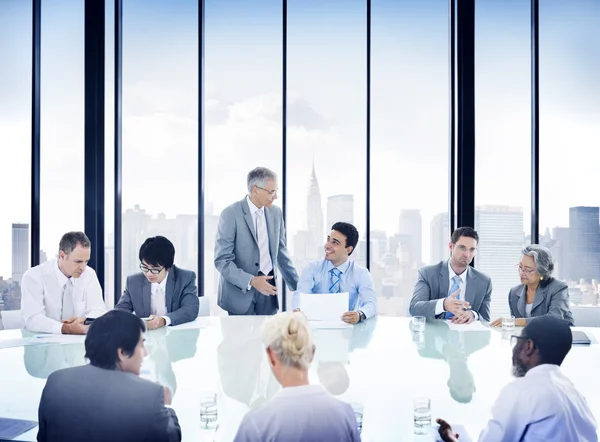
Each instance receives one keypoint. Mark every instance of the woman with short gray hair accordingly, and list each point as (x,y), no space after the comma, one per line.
(539,293)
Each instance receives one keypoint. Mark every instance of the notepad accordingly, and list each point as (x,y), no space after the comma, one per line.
(11,428)
(324,306)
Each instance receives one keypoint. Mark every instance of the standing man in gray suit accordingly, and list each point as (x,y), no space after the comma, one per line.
(452,289)
(250,243)
(106,400)
(162,292)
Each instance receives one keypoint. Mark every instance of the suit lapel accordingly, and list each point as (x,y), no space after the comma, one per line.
(271,232)
(171,279)
(472,288)
(249,219)
(146,296)
(540,294)
(522,299)
(444,283)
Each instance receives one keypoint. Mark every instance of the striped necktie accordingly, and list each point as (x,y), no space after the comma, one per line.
(334,286)
(455,287)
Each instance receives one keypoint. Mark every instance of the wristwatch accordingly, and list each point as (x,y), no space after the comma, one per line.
(362,316)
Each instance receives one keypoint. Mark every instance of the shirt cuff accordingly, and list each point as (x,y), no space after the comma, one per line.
(476,315)
(249,284)
(167,320)
(439,307)
(57,328)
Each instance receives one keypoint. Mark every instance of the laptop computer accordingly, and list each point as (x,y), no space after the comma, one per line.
(580,337)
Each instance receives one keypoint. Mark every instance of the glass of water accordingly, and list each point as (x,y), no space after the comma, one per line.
(208,410)
(422,415)
(358,414)
(418,323)
(508,323)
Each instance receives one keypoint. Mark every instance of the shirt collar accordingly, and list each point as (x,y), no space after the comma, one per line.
(60,276)
(299,391)
(542,369)
(342,268)
(162,284)
(253,208)
(452,273)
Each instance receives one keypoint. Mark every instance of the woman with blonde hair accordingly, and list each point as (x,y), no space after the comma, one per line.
(300,412)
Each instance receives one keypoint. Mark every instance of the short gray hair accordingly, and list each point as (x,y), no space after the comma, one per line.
(288,335)
(69,241)
(259,177)
(542,258)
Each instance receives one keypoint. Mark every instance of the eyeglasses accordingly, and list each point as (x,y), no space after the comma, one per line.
(271,192)
(464,249)
(521,269)
(145,269)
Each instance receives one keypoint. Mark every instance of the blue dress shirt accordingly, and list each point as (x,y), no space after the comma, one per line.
(355,279)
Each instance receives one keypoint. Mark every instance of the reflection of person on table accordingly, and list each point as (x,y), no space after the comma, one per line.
(539,293)
(542,404)
(106,400)
(299,412)
(336,273)
(455,348)
(42,360)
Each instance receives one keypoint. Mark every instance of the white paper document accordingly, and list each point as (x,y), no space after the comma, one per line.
(324,306)
(473,326)
(325,325)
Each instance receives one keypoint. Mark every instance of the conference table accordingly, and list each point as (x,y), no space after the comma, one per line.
(380,364)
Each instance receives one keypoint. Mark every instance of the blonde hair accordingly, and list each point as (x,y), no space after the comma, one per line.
(288,335)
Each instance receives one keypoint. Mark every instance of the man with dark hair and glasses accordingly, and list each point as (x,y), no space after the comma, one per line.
(542,404)
(106,400)
(453,289)
(163,293)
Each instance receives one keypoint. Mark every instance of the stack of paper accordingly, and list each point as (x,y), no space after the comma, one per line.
(325,310)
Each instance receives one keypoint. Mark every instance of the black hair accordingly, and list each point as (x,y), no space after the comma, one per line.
(464,231)
(349,231)
(110,332)
(158,251)
(551,336)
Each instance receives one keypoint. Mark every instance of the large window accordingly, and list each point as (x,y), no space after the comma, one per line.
(503,142)
(409,146)
(569,140)
(243,77)
(160,129)
(326,142)
(15,153)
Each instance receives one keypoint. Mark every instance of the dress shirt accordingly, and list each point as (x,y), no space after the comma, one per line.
(528,308)
(355,279)
(41,296)
(541,406)
(154,296)
(254,211)
(439,307)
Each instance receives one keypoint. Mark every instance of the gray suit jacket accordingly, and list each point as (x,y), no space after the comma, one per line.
(181,296)
(434,282)
(91,404)
(552,299)
(237,256)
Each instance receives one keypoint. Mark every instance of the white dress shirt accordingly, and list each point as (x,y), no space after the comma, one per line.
(41,296)
(154,301)
(254,211)
(541,406)
(439,307)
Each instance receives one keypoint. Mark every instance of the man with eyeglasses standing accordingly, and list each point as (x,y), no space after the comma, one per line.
(162,293)
(452,289)
(250,243)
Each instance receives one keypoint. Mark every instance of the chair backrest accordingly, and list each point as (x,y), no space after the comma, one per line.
(586,316)
(11,319)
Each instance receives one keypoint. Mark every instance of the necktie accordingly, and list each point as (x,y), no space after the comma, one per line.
(334,286)
(160,307)
(263,243)
(455,287)
(68,308)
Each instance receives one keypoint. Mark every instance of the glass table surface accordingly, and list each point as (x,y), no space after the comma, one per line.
(381,364)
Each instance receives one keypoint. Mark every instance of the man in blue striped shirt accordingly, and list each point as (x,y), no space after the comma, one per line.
(338,274)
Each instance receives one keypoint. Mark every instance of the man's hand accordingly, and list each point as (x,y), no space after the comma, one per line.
(496,323)
(463,318)
(446,432)
(351,317)
(456,306)
(168,396)
(155,322)
(74,326)
(262,284)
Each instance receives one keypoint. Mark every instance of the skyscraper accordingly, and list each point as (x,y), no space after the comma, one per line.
(410,225)
(560,252)
(314,214)
(340,208)
(500,230)
(584,243)
(20,250)
(440,237)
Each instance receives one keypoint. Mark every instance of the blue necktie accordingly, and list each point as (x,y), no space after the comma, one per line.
(455,287)
(334,286)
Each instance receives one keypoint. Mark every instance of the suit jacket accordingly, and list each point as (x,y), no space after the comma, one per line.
(237,255)
(91,404)
(551,299)
(433,284)
(181,296)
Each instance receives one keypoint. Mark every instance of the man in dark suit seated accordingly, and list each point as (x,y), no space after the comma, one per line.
(106,400)
(162,292)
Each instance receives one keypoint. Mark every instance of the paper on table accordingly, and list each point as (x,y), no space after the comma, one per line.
(473,326)
(61,339)
(463,436)
(324,325)
(187,325)
(324,306)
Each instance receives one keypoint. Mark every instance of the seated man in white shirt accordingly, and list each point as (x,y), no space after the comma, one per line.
(542,404)
(58,295)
